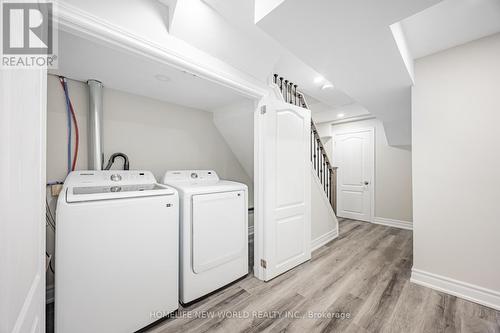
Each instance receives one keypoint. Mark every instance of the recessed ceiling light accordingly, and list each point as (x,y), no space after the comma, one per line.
(327,85)
(318,79)
(161,77)
(340,115)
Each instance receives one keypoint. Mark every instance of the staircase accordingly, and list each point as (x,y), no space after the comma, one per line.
(235,123)
(327,174)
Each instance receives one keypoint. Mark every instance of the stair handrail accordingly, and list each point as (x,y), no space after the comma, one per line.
(322,147)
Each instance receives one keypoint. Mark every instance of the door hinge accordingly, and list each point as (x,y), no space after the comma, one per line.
(263,109)
(263,263)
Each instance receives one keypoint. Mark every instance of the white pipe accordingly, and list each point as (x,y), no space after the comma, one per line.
(95,150)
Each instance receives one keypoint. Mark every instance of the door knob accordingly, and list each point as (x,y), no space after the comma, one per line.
(366,182)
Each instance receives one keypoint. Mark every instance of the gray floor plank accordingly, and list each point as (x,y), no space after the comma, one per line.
(356,283)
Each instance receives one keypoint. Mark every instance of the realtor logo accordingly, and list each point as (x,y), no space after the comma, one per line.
(27,34)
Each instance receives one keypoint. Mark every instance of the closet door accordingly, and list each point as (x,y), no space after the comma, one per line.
(283,228)
(356,165)
(23,95)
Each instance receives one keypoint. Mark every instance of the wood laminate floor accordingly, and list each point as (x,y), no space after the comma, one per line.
(363,274)
(356,283)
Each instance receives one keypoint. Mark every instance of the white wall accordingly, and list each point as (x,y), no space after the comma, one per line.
(155,135)
(456,165)
(393,181)
(235,123)
(324,222)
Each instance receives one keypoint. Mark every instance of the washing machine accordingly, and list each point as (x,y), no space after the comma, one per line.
(116,252)
(213,231)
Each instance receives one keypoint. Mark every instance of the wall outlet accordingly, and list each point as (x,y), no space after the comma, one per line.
(55,189)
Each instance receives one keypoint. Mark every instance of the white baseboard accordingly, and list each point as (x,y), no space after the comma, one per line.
(470,292)
(323,239)
(393,223)
(49,294)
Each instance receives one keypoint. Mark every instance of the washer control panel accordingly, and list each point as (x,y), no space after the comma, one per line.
(116,177)
(113,177)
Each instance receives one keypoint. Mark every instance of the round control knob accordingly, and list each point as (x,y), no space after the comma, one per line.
(116,177)
(194,175)
(115,188)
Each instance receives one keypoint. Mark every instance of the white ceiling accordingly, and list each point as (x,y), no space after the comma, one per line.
(222,30)
(321,115)
(450,23)
(226,30)
(350,42)
(82,59)
(295,70)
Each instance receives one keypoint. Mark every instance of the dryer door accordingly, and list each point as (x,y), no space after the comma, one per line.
(219,229)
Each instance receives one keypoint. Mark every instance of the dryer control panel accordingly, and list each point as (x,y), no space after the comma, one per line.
(197,176)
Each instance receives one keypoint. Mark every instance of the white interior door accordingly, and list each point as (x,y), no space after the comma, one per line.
(23,94)
(354,156)
(283,205)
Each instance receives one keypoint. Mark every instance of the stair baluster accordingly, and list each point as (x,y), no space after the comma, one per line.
(326,172)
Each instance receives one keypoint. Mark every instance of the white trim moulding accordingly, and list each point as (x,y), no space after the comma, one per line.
(470,292)
(324,239)
(393,223)
(81,23)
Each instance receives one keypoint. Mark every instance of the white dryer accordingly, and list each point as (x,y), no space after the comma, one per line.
(116,252)
(213,231)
